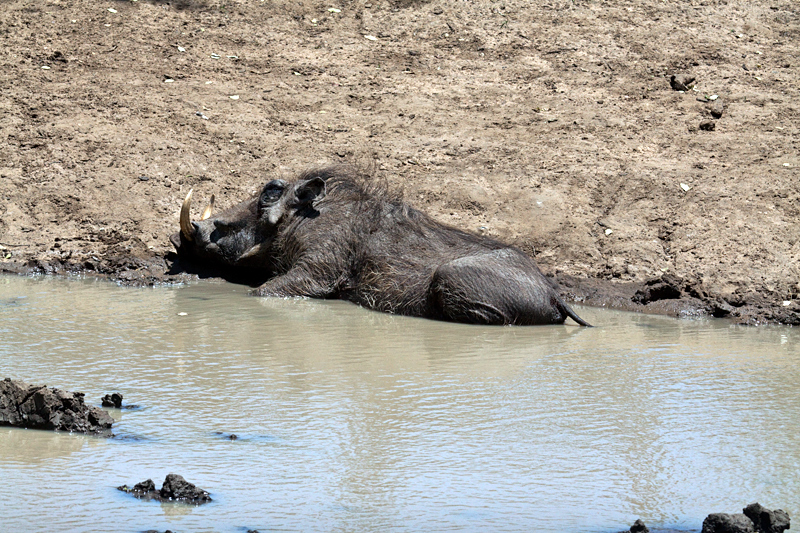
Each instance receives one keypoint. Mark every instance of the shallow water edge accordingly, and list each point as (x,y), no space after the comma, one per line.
(351,419)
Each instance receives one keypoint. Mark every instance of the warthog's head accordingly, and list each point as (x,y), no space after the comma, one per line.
(243,235)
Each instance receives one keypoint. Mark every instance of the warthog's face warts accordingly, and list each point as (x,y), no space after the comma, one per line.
(239,236)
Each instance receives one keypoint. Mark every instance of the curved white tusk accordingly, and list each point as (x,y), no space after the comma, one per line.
(186,222)
(209,209)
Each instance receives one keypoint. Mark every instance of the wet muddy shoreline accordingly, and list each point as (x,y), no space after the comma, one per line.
(615,143)
(668,295)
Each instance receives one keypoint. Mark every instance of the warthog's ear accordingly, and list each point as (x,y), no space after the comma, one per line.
(309,191)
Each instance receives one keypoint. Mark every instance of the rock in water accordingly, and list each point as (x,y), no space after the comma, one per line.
(40,407)
(727,523)
(174,489)
(112,400)
(756,519)
(177,488)
(767,521)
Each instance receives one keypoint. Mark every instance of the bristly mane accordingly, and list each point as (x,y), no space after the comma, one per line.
(354,181)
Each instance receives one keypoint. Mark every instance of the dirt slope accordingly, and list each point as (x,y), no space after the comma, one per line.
(551,125)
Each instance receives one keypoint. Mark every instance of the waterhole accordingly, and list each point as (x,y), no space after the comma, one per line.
(352,420)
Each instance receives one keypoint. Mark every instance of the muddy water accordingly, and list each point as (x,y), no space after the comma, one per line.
(350,420)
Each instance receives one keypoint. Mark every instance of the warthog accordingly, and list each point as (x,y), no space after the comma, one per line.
(335,233)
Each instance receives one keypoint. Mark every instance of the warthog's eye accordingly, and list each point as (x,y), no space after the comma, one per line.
(271,192)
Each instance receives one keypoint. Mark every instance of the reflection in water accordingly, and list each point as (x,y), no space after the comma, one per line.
(355,420)
(26,447)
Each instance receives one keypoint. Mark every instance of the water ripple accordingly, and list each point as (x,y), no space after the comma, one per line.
(354,420)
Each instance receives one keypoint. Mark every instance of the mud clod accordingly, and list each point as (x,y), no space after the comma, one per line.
(681,82)
(708,125)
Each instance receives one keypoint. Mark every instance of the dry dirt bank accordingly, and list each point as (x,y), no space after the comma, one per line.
(551,125)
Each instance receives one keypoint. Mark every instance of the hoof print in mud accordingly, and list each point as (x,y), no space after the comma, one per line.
(40,407)
(174,489)
(754,518)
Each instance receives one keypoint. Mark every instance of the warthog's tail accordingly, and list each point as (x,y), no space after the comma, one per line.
(572,314)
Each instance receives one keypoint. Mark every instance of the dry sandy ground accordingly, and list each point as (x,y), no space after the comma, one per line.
(551,125)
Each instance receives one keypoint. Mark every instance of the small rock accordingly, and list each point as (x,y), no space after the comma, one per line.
(727,523)
(177,488)
(141,490)
(112,400)
(639,527)
(717,109)
(767,521)
(145,486)
(681,82)
(755,519)
(174,489)
(438,10)
(708,125)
